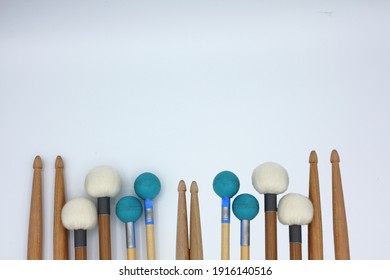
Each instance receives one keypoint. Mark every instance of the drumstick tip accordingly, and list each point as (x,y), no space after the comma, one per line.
(37,163)
(182,186)
(313,157)
(59,163)
(194,187)
(334,157)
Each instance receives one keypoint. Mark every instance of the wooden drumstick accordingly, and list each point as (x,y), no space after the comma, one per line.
(340,227)
(315,240)
(128,210)
(295,210)
(182,249)
(34,249)
(147,186)
(79,215)
(196,246)
(270,179)
(60,233)
(226,185)
(245,208)
(103,182)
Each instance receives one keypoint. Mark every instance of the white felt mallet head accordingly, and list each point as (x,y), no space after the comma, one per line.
(103,182)
(295,210)
(79,215)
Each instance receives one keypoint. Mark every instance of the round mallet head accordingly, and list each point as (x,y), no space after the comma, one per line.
(295,209)
(79,213)
(102,181)
(147,185)
(270,178)
(245,207)
(128,209)
(226,184)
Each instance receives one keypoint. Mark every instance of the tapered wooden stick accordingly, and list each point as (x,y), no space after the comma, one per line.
(34,250)
(340,227)
(196,247)
(60,233)
(315,245)
(182,249)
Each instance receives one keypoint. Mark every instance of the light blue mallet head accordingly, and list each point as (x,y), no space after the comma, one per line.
(128,209)
(147,185)
(226,184)
(245,206)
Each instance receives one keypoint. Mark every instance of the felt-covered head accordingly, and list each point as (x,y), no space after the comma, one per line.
(245,206)
(79,213)
(226,184)
(128,209)
(295,209)
(147,185)
(270,178)
(102,181)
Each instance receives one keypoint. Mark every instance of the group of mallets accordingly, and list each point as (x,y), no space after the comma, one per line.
(269,179)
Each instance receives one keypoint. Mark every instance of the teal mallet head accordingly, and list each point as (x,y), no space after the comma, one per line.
(226,184)
(128,209)
(245,207)
(147,186)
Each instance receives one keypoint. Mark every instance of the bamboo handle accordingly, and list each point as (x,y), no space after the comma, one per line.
(182,249)
(315,239)
(225,242)
(340,228)
(151,254)
(131,254)
(34,250)
(80,253)
(271,249)
(196,246)
(104,237)
(295,251)
(245,252)
(60,233)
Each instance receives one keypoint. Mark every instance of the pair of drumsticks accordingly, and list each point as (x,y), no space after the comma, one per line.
(193,250)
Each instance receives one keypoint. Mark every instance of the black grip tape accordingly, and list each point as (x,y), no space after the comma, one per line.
(80,238)
(295,232)
(103,205)
(270,204)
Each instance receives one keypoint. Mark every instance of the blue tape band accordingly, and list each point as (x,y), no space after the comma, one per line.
(225,214)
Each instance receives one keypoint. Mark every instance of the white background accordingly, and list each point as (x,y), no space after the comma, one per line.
(186,89)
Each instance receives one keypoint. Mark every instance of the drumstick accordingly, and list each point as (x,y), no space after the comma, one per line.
(226,185)
(60,233)
(315,245)
(147,186)
(196,247)
(295,210)
(34,249)
(182,249)
(79,215)
(103,182)
(270,179)
(245,208)
(128,210)
(340,227)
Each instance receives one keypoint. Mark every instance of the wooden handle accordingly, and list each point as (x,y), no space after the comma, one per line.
(104,237)
(182,249)
(271,246)
(340,227)
(245,252)
(315,240)
(225,242)
(295,251)
(60,233)
(151,252)
(196,246)
(34,250)
(131,254)
(80,253)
